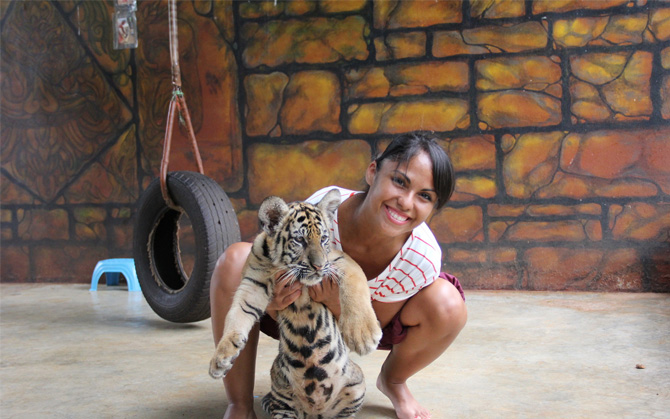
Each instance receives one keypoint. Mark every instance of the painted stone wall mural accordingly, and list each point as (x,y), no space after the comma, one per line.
(82,126)
(555,113)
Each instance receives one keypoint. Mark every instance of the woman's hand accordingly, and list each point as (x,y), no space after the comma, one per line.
(284,294)
(327,292)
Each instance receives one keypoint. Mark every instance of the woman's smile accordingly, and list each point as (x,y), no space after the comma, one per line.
(396,216)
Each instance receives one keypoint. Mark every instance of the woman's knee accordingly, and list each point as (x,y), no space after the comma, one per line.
(450,307)
(228,270)
(442,307)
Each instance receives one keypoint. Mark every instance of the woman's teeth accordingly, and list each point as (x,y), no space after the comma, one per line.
(397,216)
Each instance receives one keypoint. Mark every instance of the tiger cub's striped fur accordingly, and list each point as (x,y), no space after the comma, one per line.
(312,375)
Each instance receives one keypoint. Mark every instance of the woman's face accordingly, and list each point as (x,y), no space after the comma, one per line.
(402,196)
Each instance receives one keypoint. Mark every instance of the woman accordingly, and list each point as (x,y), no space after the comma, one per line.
(384,230)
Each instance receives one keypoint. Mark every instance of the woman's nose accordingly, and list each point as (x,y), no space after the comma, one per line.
(404,200)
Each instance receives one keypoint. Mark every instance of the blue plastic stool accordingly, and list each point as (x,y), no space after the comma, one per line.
(112,268)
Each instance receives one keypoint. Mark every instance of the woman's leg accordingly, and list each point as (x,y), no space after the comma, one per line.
(434,317)
(239,382)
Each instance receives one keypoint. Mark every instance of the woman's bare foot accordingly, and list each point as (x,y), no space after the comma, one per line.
(239,412)
(405,405)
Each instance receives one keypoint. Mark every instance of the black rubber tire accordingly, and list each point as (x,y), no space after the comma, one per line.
(169,291)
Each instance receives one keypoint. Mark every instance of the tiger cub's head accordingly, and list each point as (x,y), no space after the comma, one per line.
(298,236)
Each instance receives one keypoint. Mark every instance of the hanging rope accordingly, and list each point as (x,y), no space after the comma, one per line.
(177,106)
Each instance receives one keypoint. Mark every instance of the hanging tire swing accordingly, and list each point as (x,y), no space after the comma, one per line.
(174,293)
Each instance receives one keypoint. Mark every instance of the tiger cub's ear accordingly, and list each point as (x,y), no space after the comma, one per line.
(330,202)
(271,212)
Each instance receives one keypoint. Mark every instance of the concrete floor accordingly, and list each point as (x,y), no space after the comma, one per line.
(66,352)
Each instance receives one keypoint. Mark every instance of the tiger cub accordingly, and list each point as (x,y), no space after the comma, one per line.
(312,375)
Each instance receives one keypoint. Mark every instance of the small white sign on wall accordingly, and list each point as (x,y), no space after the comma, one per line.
(125,24)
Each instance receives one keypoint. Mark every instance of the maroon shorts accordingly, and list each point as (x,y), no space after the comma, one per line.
(392,334)
(395,332)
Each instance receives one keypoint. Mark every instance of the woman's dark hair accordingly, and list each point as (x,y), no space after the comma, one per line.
(406,146)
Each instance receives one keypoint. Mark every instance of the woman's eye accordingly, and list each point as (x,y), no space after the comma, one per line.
(398,181)
(427,197)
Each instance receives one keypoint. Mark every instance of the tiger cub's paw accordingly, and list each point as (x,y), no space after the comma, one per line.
(226,352)
(361,333)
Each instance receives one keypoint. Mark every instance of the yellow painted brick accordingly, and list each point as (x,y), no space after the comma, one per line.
(511,108)
(543,6)
(402,45)
(497,9)
(394,118)
(294,172)
(311,103)
(264,93)
(452,225)
(392,14)
(294,41)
